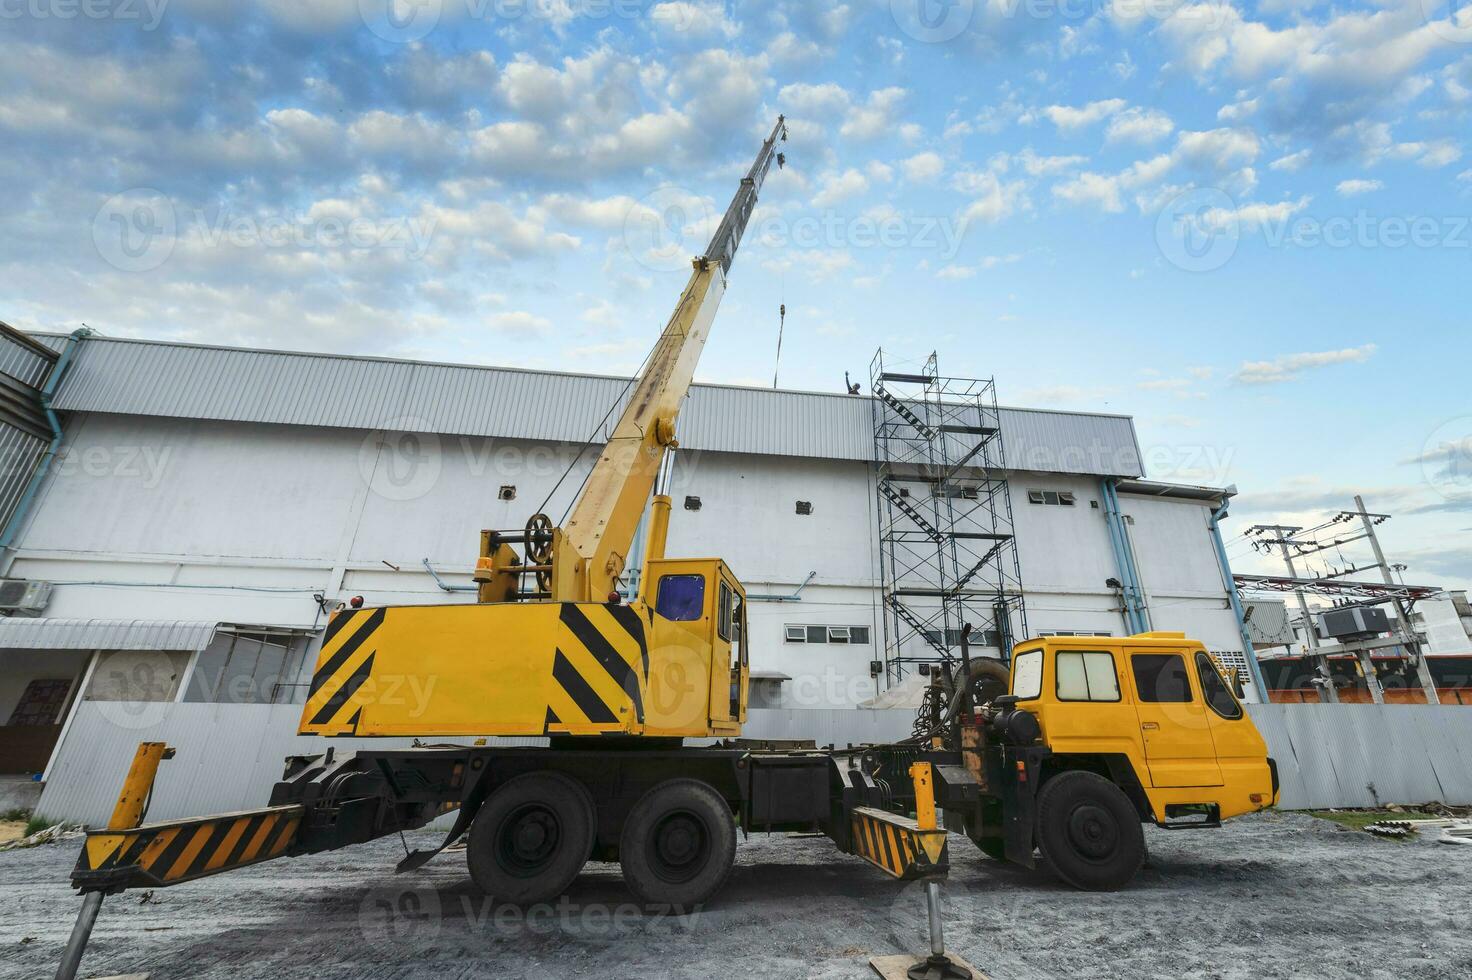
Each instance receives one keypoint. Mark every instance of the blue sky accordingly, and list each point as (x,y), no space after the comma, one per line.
(1246,225)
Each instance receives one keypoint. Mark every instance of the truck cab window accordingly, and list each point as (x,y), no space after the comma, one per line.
(1218,697)
(1160,678)
(1027,675)
(681,598)
(1086,676)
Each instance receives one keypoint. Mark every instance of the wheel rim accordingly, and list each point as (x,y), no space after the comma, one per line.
(1093,832)
(529,840)
(678,846)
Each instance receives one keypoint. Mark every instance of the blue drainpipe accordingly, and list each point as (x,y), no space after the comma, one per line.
(1136,614)
(48,389)
(1253,666)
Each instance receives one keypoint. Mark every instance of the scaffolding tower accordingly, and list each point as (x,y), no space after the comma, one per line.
(947,557)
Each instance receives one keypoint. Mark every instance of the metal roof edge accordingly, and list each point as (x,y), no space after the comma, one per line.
(413,362)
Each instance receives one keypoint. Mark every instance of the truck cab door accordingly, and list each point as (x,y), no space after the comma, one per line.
(1240,749)
(1179,748)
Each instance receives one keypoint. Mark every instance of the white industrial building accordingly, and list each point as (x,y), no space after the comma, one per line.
(205,504)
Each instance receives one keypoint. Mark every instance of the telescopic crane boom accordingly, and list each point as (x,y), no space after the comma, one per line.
(589,554)
(551,648)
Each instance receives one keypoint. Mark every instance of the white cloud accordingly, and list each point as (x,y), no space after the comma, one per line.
(820,102)
(698,19)
(1254,215)
(788,50)
(518,322)
(1106,192)
(878,116)
(1355,186)
(923,167)
(1139,126)
(1237,111)
(1218,149)
(1292,163)
(1291,366)
(839,187)
(992,198)
(1069,119)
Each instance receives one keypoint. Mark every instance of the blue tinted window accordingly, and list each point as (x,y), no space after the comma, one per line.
(681,597)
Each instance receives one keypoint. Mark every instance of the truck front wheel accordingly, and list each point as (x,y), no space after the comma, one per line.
(678,844)
(531,838)
(1089,831)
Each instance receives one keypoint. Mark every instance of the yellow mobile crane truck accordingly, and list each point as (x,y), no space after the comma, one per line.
(1092,738)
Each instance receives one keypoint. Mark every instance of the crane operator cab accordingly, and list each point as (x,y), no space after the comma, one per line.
(699,628)
(671,662)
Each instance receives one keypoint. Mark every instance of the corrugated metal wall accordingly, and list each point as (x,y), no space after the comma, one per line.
(1365,755)
(132,377)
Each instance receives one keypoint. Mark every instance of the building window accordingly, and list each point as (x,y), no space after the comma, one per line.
(1074,633)
(244,668)
(826,634)
(1051,498)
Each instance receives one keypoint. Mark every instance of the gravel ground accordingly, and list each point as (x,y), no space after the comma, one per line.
(1274,895)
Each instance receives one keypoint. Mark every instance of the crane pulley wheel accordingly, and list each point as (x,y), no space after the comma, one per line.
(539,540)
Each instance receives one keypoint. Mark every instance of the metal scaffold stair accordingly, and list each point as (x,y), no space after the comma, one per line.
(902,504)
(903,412)
(948,557)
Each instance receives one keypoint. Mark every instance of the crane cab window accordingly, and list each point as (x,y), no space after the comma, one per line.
(1218,697)
(725,612)
(1160,678)
(1086,676)
(1027,675)
(681,598)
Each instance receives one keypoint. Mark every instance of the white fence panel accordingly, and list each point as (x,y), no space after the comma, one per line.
(229,755)
(1349,755)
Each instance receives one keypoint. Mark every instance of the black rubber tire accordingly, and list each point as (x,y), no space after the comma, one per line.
(678,845)
(1089,832)
(530,839)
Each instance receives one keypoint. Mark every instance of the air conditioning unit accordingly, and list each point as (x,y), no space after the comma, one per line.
(22,597)
(1358,622)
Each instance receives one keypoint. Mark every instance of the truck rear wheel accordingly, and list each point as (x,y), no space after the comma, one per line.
(531,838)
(1089,831)
(678,844)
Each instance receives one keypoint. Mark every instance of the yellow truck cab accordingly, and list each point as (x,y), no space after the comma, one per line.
(1122,731)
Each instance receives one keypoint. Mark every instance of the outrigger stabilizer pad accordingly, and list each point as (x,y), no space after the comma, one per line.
(938,968)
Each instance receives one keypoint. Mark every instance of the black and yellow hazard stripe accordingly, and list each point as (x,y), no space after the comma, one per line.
(896,845)
(343,665)
(162,854)
(600,669)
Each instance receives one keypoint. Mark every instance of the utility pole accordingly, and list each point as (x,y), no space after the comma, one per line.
(1327,692)
(1402,613)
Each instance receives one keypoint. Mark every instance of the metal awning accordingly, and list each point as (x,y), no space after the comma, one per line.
(105,634)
